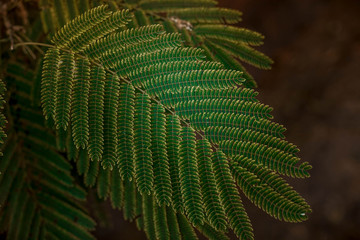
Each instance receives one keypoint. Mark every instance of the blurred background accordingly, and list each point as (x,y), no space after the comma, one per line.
(314,87)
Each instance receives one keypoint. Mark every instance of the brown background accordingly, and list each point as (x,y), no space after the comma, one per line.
(314,88)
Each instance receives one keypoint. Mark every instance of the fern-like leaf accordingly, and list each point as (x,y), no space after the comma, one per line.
(126,131)
(142,143)
(207,15)
(163,5)
(48,84)
(110,24)
(127,37)
(266,198)
(160,221)
(172,148)
(269,157)
(96,111)
(162,182)
(80,24)
(64,87)
(223,32)
(214,210)
(234,209)
(79,115)
(189,177)
(111,97)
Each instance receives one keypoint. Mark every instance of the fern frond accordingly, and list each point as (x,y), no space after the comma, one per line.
(55,205)
(162,42)
(214,210)
(172,148)
(79,110)
(38,189)
(71,150)
(271,158)
(210,233)
(130,200)
(266,198)
(83,162)
(148,214)
(80,24)
(126,131)
(48,24)
(124,66)
(225,57)
(110,24)
(207,79)
(141,136)
(139,211)
(245,53)
(187,108)
(140,76)
(160,221)
(142,143)
(48,82)
(187,231)
(141,18)
(204,120)
(268,177)
(189,177)
(111,96)
(230,198)
(61,135)
(91,174)
(103,183)
(218,134)
(116,189)
(96,111)
(165,5)
(126,37)
(172,222)
(172,97)
(64,87)
(207,15)
(162,182)
(230,33)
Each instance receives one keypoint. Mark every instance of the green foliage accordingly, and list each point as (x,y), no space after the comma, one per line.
(48,83)
(63,92)
(39,195)
(162,182)
(164,5)
(234,209)
(212,205)
(189,177)
(96,111)
(206,15)
(142,142)
(79,114)
(157,126)
(125,128)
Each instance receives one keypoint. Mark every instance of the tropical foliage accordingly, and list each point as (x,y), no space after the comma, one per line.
(153,107)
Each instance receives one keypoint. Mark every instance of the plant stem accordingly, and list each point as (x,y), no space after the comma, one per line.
(32,43)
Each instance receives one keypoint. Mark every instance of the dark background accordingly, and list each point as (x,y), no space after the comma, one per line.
(314,88)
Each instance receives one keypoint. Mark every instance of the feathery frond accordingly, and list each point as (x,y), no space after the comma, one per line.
(142,142)
(162,182)
(169,121)
(206,15)
(234,34)
(164,5)
(189,177)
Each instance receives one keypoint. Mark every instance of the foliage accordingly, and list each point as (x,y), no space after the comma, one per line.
(131,93)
